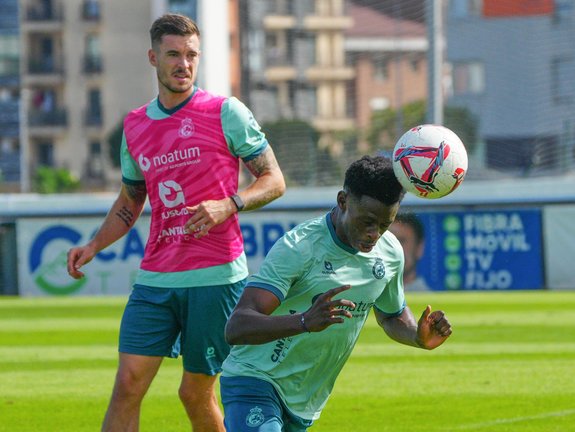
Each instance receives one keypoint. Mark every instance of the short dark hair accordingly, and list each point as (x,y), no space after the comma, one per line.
(411,220)
(172,24)
(373,176)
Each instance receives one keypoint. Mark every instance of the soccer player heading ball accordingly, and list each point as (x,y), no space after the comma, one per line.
(301,314)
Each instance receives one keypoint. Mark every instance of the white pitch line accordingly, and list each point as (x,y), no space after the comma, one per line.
(517,419)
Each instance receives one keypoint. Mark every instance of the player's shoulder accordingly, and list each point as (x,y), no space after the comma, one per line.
(141,110)
(391,245)
(208,99)
(307,235)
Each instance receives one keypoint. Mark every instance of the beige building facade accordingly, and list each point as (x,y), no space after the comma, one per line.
(83,67)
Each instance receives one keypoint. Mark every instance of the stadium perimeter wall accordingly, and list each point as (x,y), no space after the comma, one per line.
(496,235)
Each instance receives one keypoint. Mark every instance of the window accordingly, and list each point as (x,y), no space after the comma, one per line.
(92,59)
(184,7)
(562,70)
(563,12)
(46,154)
(465,8)
(9,55)
(468,78)
(380,69)
(94,109)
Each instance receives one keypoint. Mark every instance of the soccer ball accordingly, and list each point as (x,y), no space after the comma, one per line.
(430,161)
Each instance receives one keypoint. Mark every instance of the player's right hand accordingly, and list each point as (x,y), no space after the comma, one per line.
(325,311)
(77,257)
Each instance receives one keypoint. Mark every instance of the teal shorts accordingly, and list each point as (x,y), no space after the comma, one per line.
(253,405)
(167,322)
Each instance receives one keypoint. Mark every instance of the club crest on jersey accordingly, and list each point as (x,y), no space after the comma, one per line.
(378,269)
(255,417)
(186,128)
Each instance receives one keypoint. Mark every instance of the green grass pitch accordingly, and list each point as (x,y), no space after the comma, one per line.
(509,366)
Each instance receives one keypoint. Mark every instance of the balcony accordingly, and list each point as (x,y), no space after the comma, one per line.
(43,72)
(280,73)
(55,117)
(10,167)
(327,23)
(45,66)
(39,19)
(10,78)
(279,22)
(39,13)
(333,124)
(329,73)
(93,118)
(90,11)
(9,119)
(92,64)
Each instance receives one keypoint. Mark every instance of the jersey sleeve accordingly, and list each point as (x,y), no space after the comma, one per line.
(283,265)
(243,133)
(131,172)
(391,302)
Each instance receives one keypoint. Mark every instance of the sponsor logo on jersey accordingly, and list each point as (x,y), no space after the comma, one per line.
(328,268)
(171,194)
(144,163)
(170,160)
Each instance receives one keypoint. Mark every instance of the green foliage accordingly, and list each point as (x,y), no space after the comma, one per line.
(55,180)
(388,125)
(295,146)
(461,121)
(115,143)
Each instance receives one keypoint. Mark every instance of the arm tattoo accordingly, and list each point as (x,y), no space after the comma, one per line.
(263,163)
(126,216)
(136,193)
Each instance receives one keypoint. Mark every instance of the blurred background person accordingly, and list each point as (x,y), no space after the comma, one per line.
(410,232)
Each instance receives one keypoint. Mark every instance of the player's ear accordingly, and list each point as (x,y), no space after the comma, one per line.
(152,57)
(341,199)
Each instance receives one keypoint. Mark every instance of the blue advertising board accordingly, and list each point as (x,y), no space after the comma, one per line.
(482,250)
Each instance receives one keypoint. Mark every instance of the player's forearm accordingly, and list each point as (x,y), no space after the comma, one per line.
(402,329)
(263,190)
(269,183)
(119,220)
(252,328)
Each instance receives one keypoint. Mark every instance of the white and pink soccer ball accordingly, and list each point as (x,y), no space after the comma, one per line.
(430,161)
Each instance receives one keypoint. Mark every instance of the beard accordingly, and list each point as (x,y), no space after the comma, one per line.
(174,88)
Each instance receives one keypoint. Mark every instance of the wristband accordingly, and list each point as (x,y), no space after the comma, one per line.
(302,321)
(238,202)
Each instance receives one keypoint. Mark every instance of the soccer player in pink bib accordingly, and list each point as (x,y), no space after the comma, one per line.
(182,151)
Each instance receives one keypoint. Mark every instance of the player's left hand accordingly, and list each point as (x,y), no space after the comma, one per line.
(433,329)
(207,215)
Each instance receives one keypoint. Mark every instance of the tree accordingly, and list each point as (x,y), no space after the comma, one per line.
(115,143)
(295,146)
(388,125)
(55,180)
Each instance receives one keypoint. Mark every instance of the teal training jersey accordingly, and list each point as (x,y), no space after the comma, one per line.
(306,262)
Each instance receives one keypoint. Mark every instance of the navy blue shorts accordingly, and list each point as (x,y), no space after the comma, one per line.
(253,405)
(167,322)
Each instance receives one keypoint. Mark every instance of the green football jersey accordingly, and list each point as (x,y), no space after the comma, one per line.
(306,262)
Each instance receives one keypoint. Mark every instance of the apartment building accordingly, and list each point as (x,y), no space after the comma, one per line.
(9,92)
(70,70)
(513,66)
(294,61)
(389,54)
